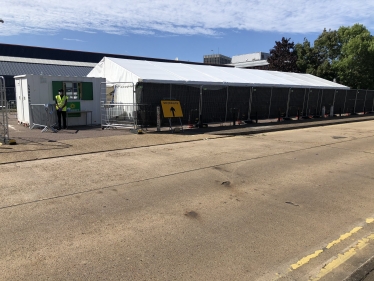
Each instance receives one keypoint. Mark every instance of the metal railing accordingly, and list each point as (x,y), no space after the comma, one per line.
(114,112)
(4,126)
(12,104)
(44,116)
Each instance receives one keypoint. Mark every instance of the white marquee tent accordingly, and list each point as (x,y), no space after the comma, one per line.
(125,74)
(125,70)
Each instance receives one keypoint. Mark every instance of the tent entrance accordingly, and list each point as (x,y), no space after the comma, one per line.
(119,108)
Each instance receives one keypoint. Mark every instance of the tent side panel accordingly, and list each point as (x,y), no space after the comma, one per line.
(214,105)
(369,104)
(151,95)
(350,101)
(261,98)
(296,102)
(339,101)
(327,100)
(360,103)
(279,102)
(238,103)
(189,99)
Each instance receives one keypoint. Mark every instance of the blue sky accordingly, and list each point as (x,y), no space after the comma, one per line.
(186,30)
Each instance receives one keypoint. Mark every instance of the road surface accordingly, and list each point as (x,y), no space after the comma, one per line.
(292,205)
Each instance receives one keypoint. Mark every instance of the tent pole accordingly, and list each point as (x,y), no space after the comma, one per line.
(354,110)
(201,107)
(134,106)
(250,103)
(271,96)
(345,100)
(227,99)
(303,112)
(288,102)
(321,105)
(333,101)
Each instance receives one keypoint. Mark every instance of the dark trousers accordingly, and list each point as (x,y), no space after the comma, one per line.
(63,113)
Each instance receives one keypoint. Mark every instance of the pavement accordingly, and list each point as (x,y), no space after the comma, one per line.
(370,276)
(34,144)
(365,272)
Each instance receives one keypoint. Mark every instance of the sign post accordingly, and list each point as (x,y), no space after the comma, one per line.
(172,109)
(158,119)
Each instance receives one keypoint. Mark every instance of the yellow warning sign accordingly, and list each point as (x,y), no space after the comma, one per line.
(171,108)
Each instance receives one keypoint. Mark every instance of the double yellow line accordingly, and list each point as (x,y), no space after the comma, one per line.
(341,257)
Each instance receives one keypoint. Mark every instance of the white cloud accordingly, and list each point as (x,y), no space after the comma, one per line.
(181,17)
(69,39)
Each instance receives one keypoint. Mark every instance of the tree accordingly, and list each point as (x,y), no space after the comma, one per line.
(327,49)
(283,56)
(346,55)
(306,57)
(355,66)
(318,60)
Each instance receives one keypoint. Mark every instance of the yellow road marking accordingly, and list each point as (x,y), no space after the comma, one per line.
(343,237)
(306,259)
(343,257)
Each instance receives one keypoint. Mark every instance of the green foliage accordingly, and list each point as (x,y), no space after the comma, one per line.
(346,55)
(283,56)
(356,64)
(318,60)
(306,57)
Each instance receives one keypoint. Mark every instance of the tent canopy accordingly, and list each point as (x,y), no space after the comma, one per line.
(126,70)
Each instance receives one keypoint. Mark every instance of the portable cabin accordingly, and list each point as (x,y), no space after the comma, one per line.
(35,96)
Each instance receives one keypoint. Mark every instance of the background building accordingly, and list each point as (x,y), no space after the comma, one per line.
(254,60)
(216,59)
(18,60)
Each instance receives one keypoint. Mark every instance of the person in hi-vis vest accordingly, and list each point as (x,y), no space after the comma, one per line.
(61,100)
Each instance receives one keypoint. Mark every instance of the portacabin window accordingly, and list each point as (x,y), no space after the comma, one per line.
(73,90)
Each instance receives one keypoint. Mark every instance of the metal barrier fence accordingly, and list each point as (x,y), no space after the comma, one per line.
(4,126)
(10,93)
(115,114)
(12,104)
(44,116)
(228,104)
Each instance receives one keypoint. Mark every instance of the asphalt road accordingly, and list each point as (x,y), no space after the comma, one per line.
(370,277)
(292,205)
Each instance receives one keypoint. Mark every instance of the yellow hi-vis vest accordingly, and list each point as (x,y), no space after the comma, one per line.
(60,102)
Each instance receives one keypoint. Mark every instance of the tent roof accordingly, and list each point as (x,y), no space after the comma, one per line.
(204,75)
